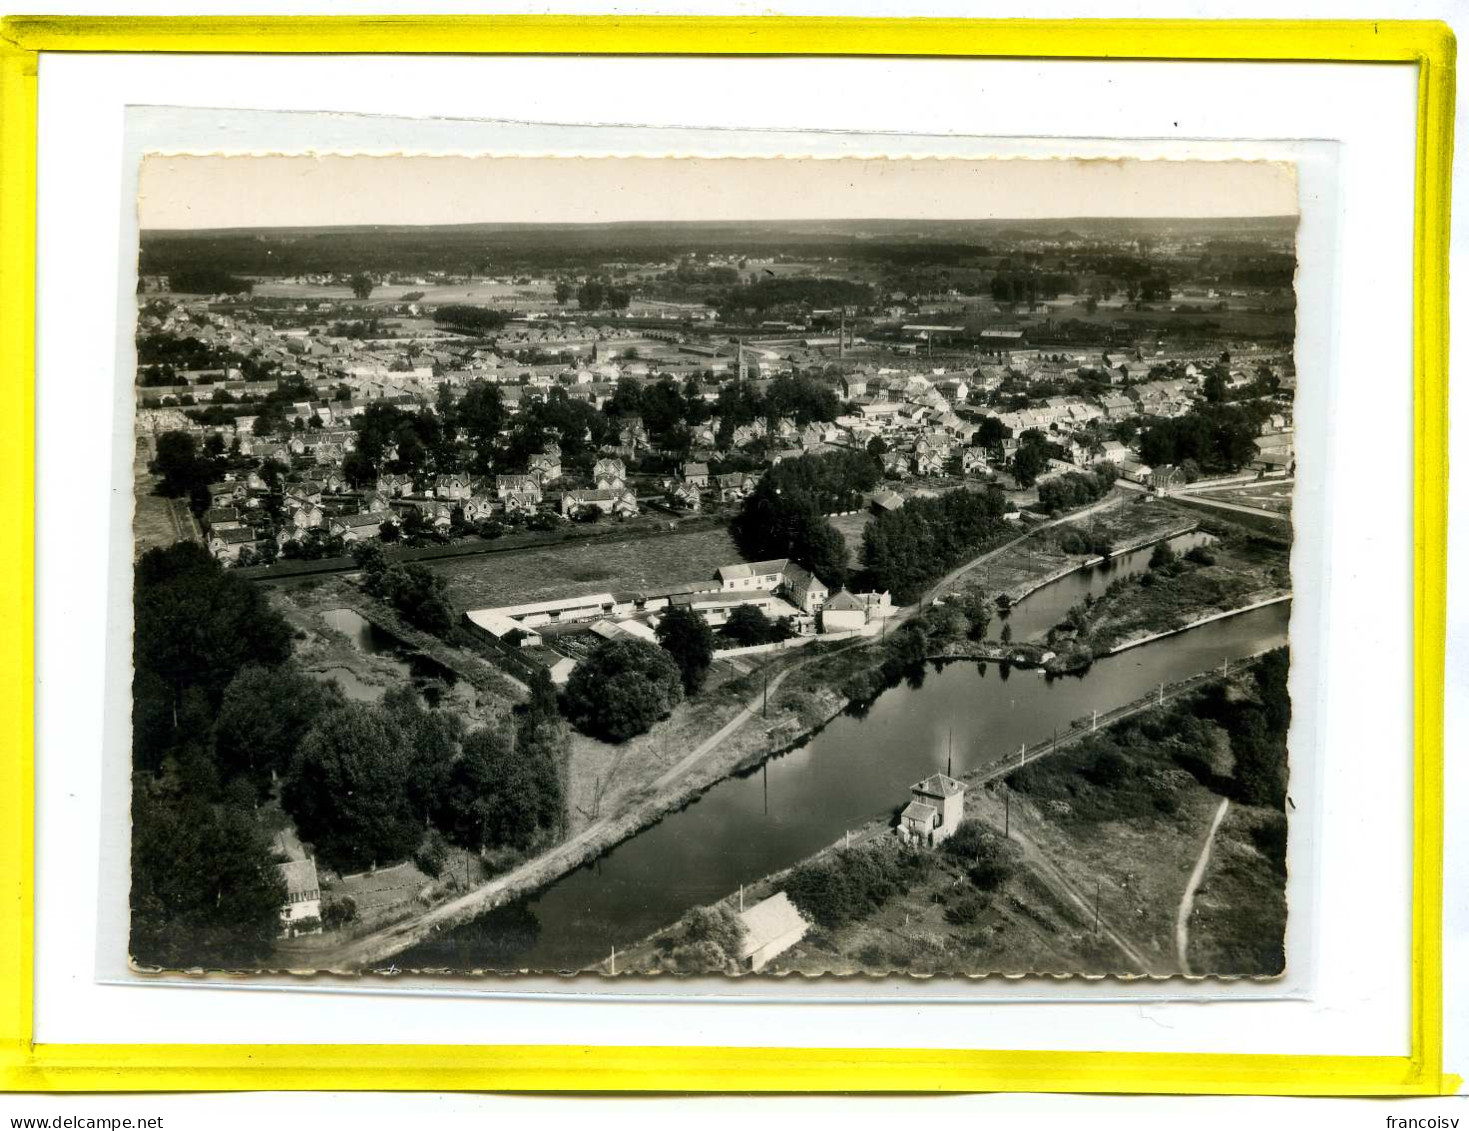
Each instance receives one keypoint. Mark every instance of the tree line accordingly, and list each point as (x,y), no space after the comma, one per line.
(224,721)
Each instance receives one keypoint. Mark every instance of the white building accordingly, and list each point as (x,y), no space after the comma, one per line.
(935,811)
(303,897)
(772,927)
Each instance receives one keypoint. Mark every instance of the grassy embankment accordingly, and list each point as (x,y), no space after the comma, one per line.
(1052,553)
(1103,836)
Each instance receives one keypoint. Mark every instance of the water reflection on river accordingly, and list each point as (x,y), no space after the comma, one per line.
(857,767)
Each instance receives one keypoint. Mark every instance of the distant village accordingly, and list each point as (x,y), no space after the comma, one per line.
(933,410)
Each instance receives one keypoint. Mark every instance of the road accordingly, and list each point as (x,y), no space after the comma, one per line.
(1196,877)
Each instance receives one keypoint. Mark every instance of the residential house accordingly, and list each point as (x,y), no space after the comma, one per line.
(228,545)
(735,485)
(302,910)
(361,527)
(935,811)
(695,475)
(507,485)
(682,495)
(546,466)
(619,503)
(394,486)
(752,576)
(804,589)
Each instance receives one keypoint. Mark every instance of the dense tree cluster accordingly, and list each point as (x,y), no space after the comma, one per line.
(416,591)
(207,281)
(907,549)
(1219,438)
(1076,488)
(785,516)
(474,319)
(371,781)
(601,294)
(791,293)
(222,718)
(854,882)
(622,689)
(748,626)
(196,630)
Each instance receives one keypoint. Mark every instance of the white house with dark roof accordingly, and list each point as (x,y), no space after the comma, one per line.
(936,808)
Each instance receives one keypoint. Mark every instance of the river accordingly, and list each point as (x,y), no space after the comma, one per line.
(857,767)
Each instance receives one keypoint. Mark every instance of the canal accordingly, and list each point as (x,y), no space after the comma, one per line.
(859,766)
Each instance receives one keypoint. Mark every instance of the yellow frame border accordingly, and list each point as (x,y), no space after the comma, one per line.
(28,1066)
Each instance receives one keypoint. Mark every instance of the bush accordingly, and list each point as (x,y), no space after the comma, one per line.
(432,854)
(339,911)
(990,856)
(854,882)
(966,911)
(1200,555)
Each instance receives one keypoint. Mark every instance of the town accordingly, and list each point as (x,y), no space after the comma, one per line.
(531,539)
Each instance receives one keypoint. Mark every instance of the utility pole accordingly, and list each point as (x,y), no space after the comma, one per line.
(612,962)
(1022,755)
(1007,810)
(951,752)
(765,696)
(742,897)
(1160,695)
(1094,720)
(1097,922)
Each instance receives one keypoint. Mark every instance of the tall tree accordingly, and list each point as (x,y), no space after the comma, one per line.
(686,637)
(346,792)
(263,716)
(204,888)
(622,689)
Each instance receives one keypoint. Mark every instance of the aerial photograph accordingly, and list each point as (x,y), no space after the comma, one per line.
(732,567)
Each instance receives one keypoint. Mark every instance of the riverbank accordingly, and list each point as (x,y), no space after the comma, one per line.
(1122,523)
(1236,571)
(621,791)
(1091,884)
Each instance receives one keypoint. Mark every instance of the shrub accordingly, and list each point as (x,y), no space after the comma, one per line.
(1200,555)
(432,854)
(338,911)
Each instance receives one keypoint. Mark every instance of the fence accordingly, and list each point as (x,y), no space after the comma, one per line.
(1030,753)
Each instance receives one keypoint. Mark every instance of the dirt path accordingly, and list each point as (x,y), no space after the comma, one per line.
(554,863)
(1052,877)
(1196,877)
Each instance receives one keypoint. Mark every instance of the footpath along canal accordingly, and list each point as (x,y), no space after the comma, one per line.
(860,765)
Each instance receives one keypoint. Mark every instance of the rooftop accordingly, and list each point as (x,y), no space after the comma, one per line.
(939,785)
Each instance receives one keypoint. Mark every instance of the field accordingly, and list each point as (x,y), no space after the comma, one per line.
(1267,495)
(637,564)
(478,291)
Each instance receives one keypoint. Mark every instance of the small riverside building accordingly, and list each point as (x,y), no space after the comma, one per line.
(303,897)
(934,812)
(772,927)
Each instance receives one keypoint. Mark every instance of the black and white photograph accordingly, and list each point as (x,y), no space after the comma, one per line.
(637,566)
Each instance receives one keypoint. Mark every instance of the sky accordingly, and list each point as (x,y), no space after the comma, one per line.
(224,191)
